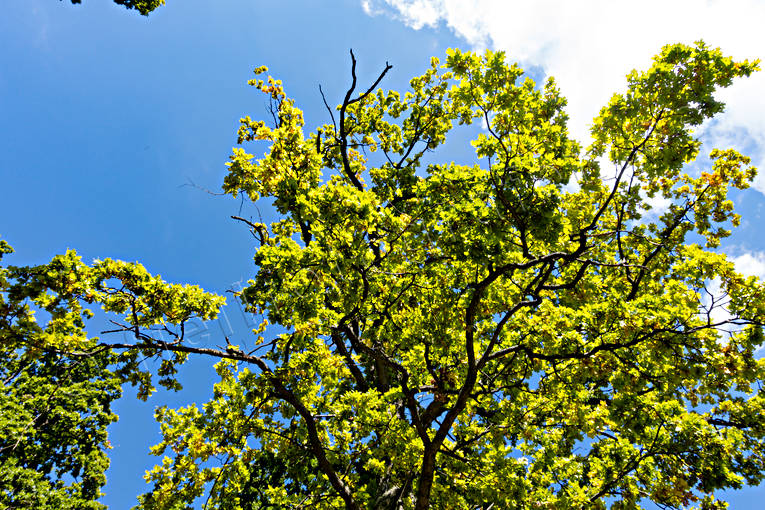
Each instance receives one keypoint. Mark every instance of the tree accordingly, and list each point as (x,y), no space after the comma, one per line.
(142,6)
(515,333)
(54,408)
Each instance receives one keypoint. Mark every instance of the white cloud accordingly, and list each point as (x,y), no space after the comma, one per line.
(751,264)
(415,13)
(589,46)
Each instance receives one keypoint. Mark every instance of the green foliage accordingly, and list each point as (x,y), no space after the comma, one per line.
(514,333)
(54,410)
(57,384)
(462,336)
(53,417)
(142,6)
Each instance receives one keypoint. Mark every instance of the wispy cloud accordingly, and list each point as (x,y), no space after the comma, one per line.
(590,45)
(41,25)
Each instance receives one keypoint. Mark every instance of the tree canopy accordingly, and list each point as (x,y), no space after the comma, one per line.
(520,332)
(142,6)
(54,407)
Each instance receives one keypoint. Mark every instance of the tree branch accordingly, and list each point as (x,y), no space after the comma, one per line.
(346,103)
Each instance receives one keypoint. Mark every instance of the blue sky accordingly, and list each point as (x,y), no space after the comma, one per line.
(108,116)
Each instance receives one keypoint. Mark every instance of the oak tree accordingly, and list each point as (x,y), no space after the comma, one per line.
(519,332)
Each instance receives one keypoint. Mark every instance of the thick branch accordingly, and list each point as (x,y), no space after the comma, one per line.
(316,446)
